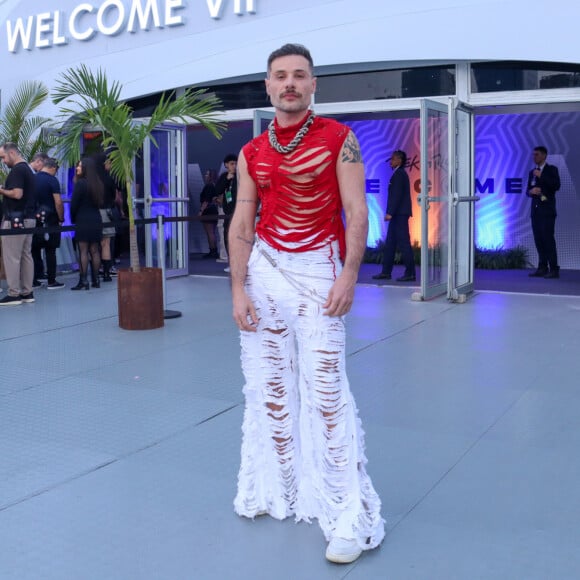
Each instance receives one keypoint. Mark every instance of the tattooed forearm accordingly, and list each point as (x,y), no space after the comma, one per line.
(351,150)
(249,242)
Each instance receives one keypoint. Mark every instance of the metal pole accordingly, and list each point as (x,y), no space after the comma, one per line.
(167,314)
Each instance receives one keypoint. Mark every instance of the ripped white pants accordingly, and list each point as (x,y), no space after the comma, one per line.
(303,444)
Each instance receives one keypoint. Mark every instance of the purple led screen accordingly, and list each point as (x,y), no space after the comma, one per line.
(503,146)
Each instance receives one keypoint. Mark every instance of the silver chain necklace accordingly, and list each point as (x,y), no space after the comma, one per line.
(297,138)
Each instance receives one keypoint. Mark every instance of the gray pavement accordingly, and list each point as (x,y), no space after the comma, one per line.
(119,450)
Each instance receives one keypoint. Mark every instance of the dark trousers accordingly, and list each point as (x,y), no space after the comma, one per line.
(543,227)
(50,254)
(227,221)
(398,237)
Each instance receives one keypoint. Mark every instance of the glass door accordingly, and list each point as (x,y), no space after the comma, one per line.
(261,121)
(164,193)
(434,199)
(462,207)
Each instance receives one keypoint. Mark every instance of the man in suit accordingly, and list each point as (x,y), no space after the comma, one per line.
(398,213)
(543,183)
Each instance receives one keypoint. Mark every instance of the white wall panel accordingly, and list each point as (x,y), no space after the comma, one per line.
(337,31)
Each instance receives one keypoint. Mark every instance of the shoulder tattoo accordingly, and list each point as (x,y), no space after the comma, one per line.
(351,150)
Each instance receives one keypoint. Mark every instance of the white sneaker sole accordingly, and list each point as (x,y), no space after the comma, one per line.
(342,558)
(350,553)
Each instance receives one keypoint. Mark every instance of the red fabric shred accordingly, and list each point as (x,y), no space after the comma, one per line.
(301,208)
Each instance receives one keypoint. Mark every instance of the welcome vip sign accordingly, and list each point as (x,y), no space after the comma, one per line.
(109,18)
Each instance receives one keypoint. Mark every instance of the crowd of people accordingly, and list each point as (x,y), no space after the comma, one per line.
(32,199)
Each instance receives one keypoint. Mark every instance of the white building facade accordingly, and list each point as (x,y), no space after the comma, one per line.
(511,63)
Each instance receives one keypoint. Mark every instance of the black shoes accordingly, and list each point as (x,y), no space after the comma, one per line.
(56,285)
(405,278)
(539,273)
(82,285)
(10,301)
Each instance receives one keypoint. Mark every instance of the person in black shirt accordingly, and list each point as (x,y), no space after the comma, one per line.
(49,213)
(208,212)
(227,190)
(19,212)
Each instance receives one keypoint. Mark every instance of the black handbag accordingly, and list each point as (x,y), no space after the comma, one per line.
(114,214)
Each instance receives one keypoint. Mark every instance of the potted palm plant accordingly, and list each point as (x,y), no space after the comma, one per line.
(88,99)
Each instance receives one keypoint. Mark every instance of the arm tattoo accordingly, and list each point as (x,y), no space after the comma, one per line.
(249,242)
(351,150)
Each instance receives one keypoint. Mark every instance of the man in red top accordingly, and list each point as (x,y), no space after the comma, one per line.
(293,279)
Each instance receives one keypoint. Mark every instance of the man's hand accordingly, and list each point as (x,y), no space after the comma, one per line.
(244,313)
(536,191)
(388,217)
(340,296)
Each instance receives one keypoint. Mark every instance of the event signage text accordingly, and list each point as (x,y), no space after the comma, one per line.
(110,18)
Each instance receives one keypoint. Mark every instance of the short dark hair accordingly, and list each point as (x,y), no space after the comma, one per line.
(40,155)
(230,157)
(11,146)
(401,155)
(541,149)
(290,50)
(51,163)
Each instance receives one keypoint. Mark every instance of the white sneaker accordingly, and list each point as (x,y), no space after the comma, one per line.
(341,551)
(227,269)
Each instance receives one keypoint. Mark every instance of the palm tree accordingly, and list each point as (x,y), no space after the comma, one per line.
(19,125)
(87,99)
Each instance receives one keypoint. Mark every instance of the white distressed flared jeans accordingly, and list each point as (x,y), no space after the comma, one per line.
(303,444)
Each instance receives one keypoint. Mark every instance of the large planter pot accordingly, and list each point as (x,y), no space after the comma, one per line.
(140,296)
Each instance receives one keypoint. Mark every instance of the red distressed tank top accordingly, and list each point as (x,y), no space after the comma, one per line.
(301,207)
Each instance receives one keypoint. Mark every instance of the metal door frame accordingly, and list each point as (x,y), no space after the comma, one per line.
(462,150)
(176,179)
(428,291)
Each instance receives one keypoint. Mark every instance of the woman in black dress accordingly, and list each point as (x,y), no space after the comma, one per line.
(86,200)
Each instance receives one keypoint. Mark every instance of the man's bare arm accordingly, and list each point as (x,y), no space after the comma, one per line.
(241,241)
(15,193)
(58,206)
(351,182)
